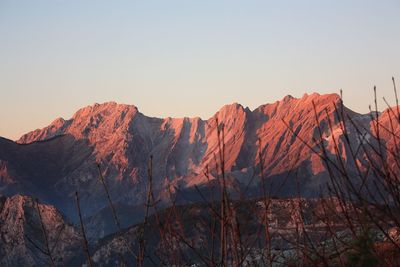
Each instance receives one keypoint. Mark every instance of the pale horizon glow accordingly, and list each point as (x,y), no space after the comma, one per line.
(189,58)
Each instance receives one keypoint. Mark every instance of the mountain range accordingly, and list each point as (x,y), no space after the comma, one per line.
(279,143)
(118,141)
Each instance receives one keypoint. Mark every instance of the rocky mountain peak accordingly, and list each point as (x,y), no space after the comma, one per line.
(106,109)
(90,122)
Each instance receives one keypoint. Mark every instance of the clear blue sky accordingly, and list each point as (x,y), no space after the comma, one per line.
(188,58)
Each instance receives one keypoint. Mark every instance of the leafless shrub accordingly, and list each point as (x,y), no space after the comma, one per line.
(84,241)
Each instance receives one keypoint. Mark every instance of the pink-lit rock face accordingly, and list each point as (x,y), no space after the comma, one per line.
(281,149)
(388,130)
(122,139)
(57,127)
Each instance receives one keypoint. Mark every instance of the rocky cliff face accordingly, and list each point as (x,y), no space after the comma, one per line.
(22,241)
(62,158)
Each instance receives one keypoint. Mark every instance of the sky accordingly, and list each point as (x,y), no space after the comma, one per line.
(189,58)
